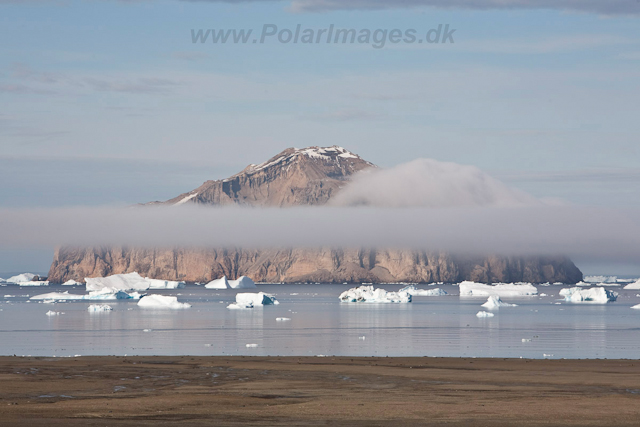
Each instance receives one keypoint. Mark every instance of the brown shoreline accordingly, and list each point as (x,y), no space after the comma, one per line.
(128,391)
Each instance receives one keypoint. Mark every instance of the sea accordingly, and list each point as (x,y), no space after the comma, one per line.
(321,325)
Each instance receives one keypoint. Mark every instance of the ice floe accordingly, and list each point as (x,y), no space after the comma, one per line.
(104,294)
(221,283)
(250,300)
(473,289)
(601,279)
(484,314)
(634,285)
(591,295)
(282,319)
(34,283)
(371,295)
(53,313)
(24,277)
(414,291)
(243,282)
(71,282)
(637,307)
(99,308)
(129,282)
(162,301)
(494,302)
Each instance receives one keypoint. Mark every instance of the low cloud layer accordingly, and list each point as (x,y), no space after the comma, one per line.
(598,235)
(430,183)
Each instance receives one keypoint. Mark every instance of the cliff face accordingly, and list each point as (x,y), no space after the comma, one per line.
(309,176)
(323,265)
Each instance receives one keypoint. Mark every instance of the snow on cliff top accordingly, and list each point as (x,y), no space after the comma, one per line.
(320,153)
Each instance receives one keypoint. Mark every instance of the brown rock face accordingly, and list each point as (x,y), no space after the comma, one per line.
(309,176)
(324,265)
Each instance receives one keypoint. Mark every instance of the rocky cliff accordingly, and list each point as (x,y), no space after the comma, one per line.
(309,176)
(323,265)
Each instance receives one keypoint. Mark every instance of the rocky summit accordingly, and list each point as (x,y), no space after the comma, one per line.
(297,177)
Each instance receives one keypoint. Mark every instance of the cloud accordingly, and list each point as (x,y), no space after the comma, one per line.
(429,183)
(589,234)
(608,7)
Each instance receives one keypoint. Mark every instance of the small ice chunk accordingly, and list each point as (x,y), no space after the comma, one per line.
(368,294)
(53,313)
(484,314)
(494,302)
(99,308)
(162,302)
(526,339)
(250,300)
(252,345)
(282,319)
(637,307)
(221,283)
(591,295)
(414,291)
(71,282)
(362,338)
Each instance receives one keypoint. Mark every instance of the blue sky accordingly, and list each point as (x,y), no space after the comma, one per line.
(109,102)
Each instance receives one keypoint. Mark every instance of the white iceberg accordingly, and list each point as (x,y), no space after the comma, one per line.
(634,285)
(484,314)
(99,308)
(414,291)
(370,295)
(243,282)
(221,283)
(53,313)
(591,295)
(249,300)
(282,319)
(162,301)
(71,282)
(637,307)
(473,289)
(129,282)
(494,302)
(601,279)
(34,283)
(24,277)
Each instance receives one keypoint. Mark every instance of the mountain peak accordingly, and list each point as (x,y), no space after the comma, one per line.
(296,176)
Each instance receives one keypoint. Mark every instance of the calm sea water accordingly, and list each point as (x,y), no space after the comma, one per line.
(321,325)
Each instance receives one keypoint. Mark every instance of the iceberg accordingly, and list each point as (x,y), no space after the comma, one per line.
(591,295)
(71,282)
(129,282)
(371,295)
(162,302)
(34,283)
(413,291)
(601,279)
(94,295)
(53,313)
(634,285)
(637,307)
(484,314)
(473,289)
(99,308)
(494,302)
(24,277)
(221,283)
(243,282)
(249,300)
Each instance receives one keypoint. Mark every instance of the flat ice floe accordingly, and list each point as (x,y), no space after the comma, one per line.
(370,295)
(129,282)
(221,283)
(484,314)
(591,295)
(94,295)
(414,291)
(162,302)
(473,289)
(99,308)
(634,285)
(601,279)
(34,283)
(494,302)
(637,307)
(251,300)
(71,282)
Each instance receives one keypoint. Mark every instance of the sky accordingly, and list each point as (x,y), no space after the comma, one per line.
(111,102)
